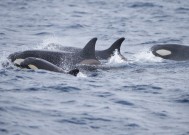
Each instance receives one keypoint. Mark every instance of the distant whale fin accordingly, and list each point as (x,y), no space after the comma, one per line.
(105,54)
(116,45)
(88,52)
(74,72)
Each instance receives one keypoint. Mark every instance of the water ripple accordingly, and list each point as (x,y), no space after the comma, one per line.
(73,121)
(97,119)
(142,87)
(104,94)
(143,5)
(183,99)
(42,33)
(2,34)
(63,88)
(2,130)
(182,10)
(124,102)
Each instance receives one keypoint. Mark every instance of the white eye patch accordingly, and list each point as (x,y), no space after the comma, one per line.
(32,67)
(18,61)
(163,52)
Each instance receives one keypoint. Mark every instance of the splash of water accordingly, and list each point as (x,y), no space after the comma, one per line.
(146,56)
(115,58)
(4,62)
(81,75)
(50,43)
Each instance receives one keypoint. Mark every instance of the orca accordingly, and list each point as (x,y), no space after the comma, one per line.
(37,63)
(54,60)
(171,51)
(100,54)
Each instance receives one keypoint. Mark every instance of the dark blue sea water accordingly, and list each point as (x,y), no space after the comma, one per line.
(143,96)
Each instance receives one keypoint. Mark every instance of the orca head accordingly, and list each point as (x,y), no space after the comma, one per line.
(17,62)
(16,57)
(163,51)
(29,63)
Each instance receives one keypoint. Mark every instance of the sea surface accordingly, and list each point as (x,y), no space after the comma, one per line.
(145,95)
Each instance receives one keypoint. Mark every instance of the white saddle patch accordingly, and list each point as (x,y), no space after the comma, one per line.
(90,62)
(163,52)
(32,67)
(18,61)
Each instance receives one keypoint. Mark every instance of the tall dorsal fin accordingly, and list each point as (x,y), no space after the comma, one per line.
(88,52)
(116,45)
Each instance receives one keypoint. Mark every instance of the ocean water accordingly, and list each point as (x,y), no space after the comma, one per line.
(143,96)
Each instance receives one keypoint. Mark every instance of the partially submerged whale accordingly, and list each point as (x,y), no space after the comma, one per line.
(100,54)
(171,51)
(56,61)
(37,63)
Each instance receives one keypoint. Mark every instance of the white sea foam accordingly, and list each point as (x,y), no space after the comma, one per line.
(146,56)
(115,58)
(3,60)
(81,75)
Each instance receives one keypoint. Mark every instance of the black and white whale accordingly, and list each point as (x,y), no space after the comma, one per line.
(100,54)
(171,51)
(56,61)
(37,63)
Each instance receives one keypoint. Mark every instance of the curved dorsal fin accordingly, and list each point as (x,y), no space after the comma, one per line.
(88,52)
(116,45)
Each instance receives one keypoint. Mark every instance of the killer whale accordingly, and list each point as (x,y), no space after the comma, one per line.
(54,60)
(100,54)
(37,63)
(171,51)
